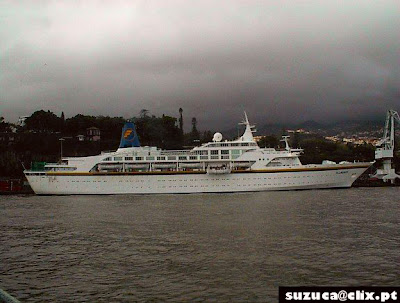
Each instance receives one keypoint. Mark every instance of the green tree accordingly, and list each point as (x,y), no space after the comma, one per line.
(207,136)
(42,121)
(110,127)
(181,120)
(79,123)
(144,113)
(294,142)
(162,131)
(195,136)
(268,141)
(9,164)
(62,122)
(4,126)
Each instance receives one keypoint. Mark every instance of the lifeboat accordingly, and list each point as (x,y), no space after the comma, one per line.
(241,164)
(110,166)
(137,166)
(164,165)
(218,169)
(190,165)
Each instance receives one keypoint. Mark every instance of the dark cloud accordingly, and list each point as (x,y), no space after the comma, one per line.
(279,60)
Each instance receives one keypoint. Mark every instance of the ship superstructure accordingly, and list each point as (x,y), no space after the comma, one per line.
(217,166)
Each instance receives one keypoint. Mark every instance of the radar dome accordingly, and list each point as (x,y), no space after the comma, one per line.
(217,137)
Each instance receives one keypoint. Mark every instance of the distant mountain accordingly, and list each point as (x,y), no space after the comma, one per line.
(273,129)
(310,124)
(346,127)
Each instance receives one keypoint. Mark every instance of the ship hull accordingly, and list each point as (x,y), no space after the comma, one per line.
(194,182)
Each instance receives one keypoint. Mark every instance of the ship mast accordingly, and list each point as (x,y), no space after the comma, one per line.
(385,149)
(250,129)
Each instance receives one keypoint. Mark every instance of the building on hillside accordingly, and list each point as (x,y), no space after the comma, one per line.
(333,138)
(93,134)
(7,138)
(21,120)
(298,131)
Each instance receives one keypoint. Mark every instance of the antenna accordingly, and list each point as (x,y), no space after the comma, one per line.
(286,140)
(22,163)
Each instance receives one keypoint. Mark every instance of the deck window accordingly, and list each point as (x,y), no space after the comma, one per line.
(201,152)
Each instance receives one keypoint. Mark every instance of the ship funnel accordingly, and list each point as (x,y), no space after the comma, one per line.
(129,137)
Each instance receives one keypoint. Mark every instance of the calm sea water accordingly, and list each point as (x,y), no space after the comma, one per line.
(198,248)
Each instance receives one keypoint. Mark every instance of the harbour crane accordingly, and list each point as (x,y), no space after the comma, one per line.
(385,149)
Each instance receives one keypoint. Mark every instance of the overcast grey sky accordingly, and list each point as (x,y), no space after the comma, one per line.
(281,61)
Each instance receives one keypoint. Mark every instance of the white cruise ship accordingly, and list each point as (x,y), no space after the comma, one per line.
(218,166)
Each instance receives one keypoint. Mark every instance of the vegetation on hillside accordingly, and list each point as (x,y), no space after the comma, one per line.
(39,138)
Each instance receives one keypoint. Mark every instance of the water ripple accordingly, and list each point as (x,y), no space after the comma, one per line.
(198,248)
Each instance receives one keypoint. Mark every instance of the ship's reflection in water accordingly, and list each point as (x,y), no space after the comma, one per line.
(204,247)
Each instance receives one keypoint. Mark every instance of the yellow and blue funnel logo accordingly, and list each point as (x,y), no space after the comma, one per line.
(128,133)
(129,136)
